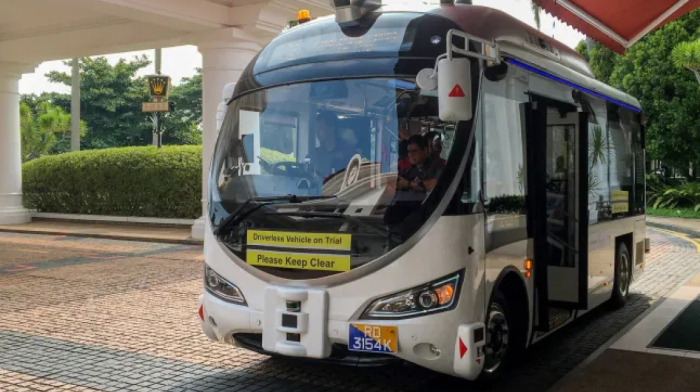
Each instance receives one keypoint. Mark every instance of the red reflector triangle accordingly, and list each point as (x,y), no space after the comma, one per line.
(457,92)
(462,348)
(201,312)
(478,360)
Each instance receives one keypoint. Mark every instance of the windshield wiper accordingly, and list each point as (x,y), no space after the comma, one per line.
(387,234)
(237,215)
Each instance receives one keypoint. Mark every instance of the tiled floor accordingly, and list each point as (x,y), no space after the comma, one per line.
(95,314)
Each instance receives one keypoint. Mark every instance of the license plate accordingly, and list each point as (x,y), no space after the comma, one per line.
(373,338)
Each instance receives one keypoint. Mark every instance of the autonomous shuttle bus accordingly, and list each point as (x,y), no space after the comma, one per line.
(444,187)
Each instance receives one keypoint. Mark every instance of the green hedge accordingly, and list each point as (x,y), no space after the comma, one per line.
(130,181)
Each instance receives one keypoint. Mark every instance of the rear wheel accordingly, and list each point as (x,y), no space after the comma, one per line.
(623,276)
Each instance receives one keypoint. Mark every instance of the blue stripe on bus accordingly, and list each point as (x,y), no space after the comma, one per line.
(566,82)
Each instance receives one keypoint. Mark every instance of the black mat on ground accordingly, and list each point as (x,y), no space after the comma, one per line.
(682,333)
(632,371)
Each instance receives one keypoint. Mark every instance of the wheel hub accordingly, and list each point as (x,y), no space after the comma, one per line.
(497,334)
(624,275)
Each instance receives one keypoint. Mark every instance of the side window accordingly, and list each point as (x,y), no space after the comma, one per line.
(504,147)
(612,156)
(598,162)
(632,120)
(621,162)
(503,161)
(472,174)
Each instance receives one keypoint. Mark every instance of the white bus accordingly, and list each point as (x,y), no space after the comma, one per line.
(443,187)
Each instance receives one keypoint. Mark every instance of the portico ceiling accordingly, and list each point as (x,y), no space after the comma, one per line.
(32,31)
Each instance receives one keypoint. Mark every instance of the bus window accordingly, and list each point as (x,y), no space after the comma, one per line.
(621,163)
(639,163)
(599,208)
(503,160)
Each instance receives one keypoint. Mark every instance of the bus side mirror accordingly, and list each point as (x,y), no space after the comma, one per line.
(454,89)
(454,75)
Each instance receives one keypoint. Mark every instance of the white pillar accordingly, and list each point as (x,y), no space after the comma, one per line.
(223,61)
(11,209)
(157,140)
(75,107)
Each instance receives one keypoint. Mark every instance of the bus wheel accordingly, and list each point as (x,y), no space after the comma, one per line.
(623,276)
(500,337)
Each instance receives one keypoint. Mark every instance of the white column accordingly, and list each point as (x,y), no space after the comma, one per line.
(75,107)
(223,61)
(11,209)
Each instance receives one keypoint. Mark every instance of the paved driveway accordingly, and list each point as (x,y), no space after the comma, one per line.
(91,314)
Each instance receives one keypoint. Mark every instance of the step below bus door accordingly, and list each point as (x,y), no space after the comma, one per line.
(557,153)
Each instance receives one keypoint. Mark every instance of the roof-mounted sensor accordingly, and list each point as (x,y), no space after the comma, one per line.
(349,12)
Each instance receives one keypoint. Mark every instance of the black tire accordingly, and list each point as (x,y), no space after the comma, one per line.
(504,338)
(623,276)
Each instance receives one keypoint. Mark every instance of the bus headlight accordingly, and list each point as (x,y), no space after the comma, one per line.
(221,288)
(436,296)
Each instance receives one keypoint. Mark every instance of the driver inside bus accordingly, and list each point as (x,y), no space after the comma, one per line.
(333,154)
(425,169)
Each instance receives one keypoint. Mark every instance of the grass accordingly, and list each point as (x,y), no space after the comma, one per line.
(674,212)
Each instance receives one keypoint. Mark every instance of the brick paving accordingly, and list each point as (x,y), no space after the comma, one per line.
(83,314)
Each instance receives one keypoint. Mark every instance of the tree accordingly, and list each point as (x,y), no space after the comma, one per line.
(669,95)
(110,100)
(687,55)
(582,49)
(44,129)
(183,125)
(54,120)
(536,13)
(601,59)
(35,141)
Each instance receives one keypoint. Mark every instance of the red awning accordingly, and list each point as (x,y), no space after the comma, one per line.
(617,24)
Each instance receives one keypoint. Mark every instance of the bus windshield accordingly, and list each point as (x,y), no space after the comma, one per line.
(357,156)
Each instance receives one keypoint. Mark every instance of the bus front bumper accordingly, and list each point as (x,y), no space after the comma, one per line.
(440,342)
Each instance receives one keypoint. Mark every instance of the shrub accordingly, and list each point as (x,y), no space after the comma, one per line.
(130,181)
(686,195)
(507,204)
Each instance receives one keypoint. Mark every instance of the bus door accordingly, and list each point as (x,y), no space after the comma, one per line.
(557,153)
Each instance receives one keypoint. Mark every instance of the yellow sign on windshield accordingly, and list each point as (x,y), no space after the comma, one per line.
(620,202)
(290,239)
(265,258)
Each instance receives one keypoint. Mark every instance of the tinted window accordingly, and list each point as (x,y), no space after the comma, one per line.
(386,35)
(621,161)
(503,160)
(616,162)
(598,161)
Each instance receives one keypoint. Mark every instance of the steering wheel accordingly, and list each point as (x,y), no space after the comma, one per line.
(289,169)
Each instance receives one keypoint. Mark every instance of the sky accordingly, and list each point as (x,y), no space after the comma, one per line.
(181,61)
